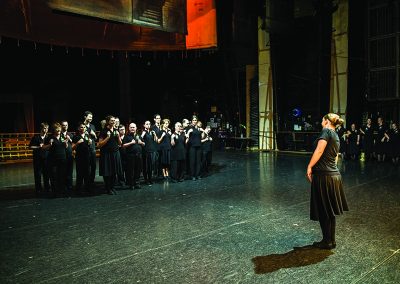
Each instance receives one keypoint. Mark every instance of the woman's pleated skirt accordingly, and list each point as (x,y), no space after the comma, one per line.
(327,196)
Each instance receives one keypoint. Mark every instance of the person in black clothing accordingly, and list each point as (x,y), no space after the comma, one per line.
(81,144)
(149,138)
(110,159)
(353,142)
(367,133)
(40,159)
(178,153)
(156,127)
(341,132)
(70,159)
(185,128)
(394,142)
(164,143)
(91,130)
(327,195)
(206,148)
(57,160)
(194,141)
(381,140)
(133,150)
(122,151)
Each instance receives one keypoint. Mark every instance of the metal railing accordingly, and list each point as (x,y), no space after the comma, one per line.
(15,146)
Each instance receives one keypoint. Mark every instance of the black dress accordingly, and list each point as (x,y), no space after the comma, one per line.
(381,146)
(394,142)
(340,132)
(82,161)
(57,161)
(368,140)
(178,157)
(165,149)
(352,147)
(110,159)
(327,195)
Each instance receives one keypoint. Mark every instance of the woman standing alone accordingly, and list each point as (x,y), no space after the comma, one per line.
(327,195)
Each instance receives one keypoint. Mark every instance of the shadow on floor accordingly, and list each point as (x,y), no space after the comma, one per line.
(299,256)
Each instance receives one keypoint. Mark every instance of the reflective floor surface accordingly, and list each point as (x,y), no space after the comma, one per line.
(247,222)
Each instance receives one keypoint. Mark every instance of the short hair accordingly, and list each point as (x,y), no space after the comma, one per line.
(156,115)
(56,125)
(44,125)
(86,113)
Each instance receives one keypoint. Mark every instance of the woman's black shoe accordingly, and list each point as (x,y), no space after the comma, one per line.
(324,245)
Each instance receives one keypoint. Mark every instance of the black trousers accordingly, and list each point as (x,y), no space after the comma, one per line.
(177,169)
(58,176)
(149,165)
(69,169)
(133,169)
(92,161)
(82,172)
(40,169)
(195,161)
(206,161)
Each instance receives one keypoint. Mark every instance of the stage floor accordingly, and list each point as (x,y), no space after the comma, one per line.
(247,222)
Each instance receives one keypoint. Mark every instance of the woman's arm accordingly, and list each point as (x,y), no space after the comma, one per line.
(315,157)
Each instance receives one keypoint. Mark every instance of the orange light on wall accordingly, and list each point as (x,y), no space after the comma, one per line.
(202,24)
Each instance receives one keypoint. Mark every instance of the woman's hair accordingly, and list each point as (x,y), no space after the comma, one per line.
(44,125)
(56,126)
(165,121)
(334,119)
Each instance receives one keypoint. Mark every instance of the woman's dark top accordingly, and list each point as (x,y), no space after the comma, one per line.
(148,139)
(206,145)
(353,138)
(38,153)
(82,149)
(195,138)
(394,141)
(112,143)
(340,132)
(165,143)
(327,163)
(57,149)
(178,151)
(133,149)
(368,137)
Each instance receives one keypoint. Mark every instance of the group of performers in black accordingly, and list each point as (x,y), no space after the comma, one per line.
(376,141)
(157,152)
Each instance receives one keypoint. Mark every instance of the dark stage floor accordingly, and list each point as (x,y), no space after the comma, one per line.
(248,222)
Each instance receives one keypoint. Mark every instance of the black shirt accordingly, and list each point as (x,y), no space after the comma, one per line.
(327,162)
(57,149)
(112,143)
(82,149)
(195,137)
(133,149)
(38,152)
